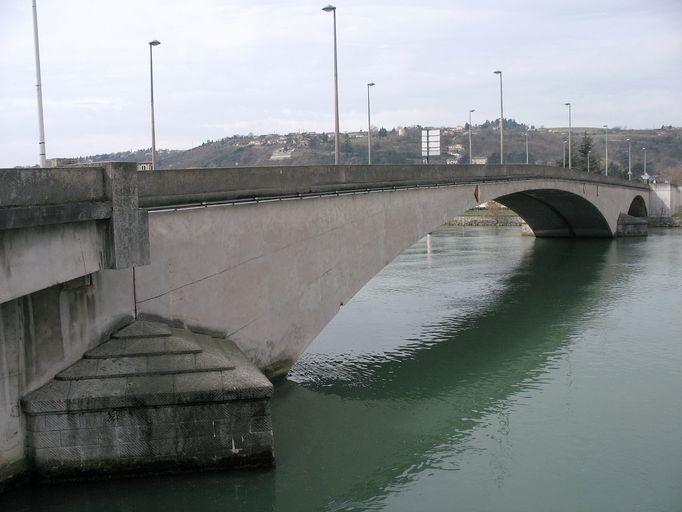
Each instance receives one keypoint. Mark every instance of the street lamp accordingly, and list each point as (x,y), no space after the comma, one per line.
(645,175)
(152,44)
(606,148)
(369,127)
(39,91)
(501,120)
(526,134)
(564,153)
(470,111)
(570,166)
(337,137)
(588,160)
(629,159)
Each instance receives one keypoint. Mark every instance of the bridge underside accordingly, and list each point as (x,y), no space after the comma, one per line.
(557,213)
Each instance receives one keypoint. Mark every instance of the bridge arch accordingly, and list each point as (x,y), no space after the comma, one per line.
(270,272)
(638,207)
(557,213)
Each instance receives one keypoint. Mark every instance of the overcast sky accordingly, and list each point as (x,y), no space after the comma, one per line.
(228,67)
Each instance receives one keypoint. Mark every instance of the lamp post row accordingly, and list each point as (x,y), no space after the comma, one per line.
(337,155)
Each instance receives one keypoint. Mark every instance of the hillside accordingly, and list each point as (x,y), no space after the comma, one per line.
(399,146)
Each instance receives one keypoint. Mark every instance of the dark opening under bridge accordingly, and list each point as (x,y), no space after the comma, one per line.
(262,256)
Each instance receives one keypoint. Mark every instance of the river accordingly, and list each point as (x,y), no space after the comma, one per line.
(481,371)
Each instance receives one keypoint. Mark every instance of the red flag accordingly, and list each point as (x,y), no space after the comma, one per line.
(476,193)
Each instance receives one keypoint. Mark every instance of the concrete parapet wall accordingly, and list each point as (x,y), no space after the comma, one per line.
(176,187)
(60,224)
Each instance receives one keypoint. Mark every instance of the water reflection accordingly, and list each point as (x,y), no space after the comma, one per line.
(401,407)
(385,415)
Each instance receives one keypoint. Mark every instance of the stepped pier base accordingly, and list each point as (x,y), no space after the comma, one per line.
(151,399)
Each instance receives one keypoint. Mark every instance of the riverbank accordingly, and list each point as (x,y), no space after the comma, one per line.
(486,220)
(507,219)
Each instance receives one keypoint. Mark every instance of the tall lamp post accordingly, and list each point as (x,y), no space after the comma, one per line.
(39,91)
(646,175)
(337,137)
(470,112)
(564,154)
(526,134)
(501,120)
(606,149)
(629,160)
(369,127)
(152,44)
(570,166)
(588,160)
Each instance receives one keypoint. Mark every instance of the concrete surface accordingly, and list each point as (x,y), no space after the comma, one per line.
(271,275)
(45,332)
(152,412)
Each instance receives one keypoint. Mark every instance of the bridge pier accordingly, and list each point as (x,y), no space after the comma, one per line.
(151,399)
(629,225)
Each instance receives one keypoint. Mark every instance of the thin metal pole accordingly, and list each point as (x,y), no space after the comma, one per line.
(564,153)
(152,44)
(606,149)
(369,127)
(526,147)
(501,121)
(470,111)
(645,173)
(588,160)
(39,91)
(337,135)
(570,166)
(629,160)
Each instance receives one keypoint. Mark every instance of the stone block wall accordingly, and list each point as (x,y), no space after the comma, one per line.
(167,438)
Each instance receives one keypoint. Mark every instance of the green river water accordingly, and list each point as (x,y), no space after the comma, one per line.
(481,371)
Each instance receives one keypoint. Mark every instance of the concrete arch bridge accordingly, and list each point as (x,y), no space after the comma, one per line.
(262,256)
(267,256)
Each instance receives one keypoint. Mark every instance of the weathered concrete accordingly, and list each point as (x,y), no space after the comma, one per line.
(61,224)
(186,401)
(271,275)
(666,199)
(632,226)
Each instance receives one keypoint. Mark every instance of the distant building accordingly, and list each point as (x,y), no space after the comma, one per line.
(144,166)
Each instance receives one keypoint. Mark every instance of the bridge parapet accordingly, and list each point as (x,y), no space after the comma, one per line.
(60,224)
(191,186)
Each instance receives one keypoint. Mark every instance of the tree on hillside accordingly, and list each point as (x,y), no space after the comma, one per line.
(586,145)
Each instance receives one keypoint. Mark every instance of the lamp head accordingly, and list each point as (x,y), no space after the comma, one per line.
(568,104)
(472,110)
(370,84)
(605,126)
(154,43)
(497,72)
(329,8)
